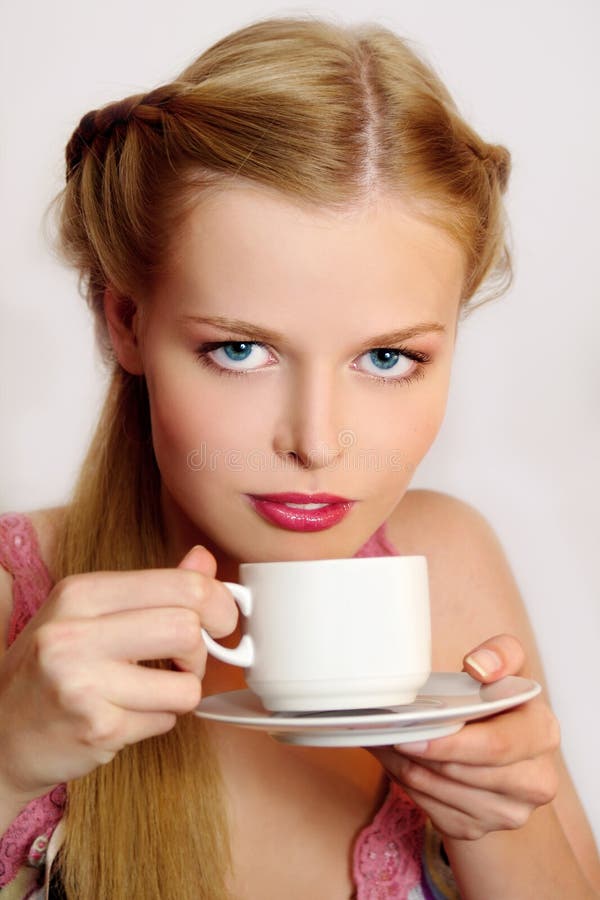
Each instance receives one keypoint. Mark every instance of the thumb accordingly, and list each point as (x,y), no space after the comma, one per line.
(500,655)
(200,560)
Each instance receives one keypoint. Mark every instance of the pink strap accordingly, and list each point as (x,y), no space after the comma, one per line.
(387,853)
(25,841)
(20,555)
(378,545)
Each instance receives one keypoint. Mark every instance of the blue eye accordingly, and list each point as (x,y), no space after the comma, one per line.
(394,365)
(234,356)
(384,358)
(386,362)
(238,351)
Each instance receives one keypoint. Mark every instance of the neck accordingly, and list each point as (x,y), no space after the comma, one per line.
(182,535)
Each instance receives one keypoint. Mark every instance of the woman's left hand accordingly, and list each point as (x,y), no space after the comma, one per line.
(494,772)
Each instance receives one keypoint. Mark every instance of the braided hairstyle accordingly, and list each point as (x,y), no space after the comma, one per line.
(322,113)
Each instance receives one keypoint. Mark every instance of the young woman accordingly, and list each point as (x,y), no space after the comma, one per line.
(277,249)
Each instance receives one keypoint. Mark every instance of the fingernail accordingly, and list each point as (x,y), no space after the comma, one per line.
(485,662)
(189,553)
(415,747)
(191,550)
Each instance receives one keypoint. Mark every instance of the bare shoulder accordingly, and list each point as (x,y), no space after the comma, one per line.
(431,515)
(46,523)
(474,594)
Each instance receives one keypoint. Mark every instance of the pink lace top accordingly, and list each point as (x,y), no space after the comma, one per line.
(397,855)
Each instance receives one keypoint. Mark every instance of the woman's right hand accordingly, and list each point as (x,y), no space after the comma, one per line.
(71,691)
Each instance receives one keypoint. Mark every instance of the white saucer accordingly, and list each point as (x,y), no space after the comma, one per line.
(444,704)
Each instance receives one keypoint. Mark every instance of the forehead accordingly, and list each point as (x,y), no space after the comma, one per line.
(245,241)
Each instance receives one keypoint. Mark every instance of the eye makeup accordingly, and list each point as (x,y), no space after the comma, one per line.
(237,348)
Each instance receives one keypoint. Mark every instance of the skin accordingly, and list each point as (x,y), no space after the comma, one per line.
(248,254)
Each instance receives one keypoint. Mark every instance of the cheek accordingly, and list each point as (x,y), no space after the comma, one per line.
(405,423)
(186,417)
(429,414)
(428,406)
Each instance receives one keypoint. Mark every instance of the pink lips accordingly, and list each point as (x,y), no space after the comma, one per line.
(301,512)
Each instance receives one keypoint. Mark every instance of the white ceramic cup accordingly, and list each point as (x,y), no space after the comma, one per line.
(334,633)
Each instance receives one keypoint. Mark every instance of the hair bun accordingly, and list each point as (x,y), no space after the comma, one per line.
(498,159)
(100,123)
(81,138)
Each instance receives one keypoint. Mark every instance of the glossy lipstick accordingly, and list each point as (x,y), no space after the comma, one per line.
(301,512)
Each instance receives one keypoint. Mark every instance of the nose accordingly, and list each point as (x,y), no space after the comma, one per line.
(311,421)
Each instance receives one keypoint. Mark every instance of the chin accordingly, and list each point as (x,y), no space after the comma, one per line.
(286,546)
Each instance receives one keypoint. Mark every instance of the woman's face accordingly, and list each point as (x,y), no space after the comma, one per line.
(294,351)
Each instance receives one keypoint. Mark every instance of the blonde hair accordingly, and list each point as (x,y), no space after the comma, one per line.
(326,114)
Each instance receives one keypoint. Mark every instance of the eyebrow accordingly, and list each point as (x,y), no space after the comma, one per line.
(267,336)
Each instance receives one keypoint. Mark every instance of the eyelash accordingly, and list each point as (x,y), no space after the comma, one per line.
(423,359)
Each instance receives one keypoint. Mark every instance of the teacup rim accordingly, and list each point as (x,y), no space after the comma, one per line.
(365,560)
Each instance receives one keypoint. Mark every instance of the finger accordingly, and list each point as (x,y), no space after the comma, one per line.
(117,727)
(496,811)
(145,725)
(449,822)
(141,634)
(523,732)
(533,781)
(143,689)
(199,559)
(500,655)
(103,593)
(454,822)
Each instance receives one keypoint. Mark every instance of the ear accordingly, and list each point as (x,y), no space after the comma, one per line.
(123,319)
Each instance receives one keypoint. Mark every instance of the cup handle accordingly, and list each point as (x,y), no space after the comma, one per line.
(243,654)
